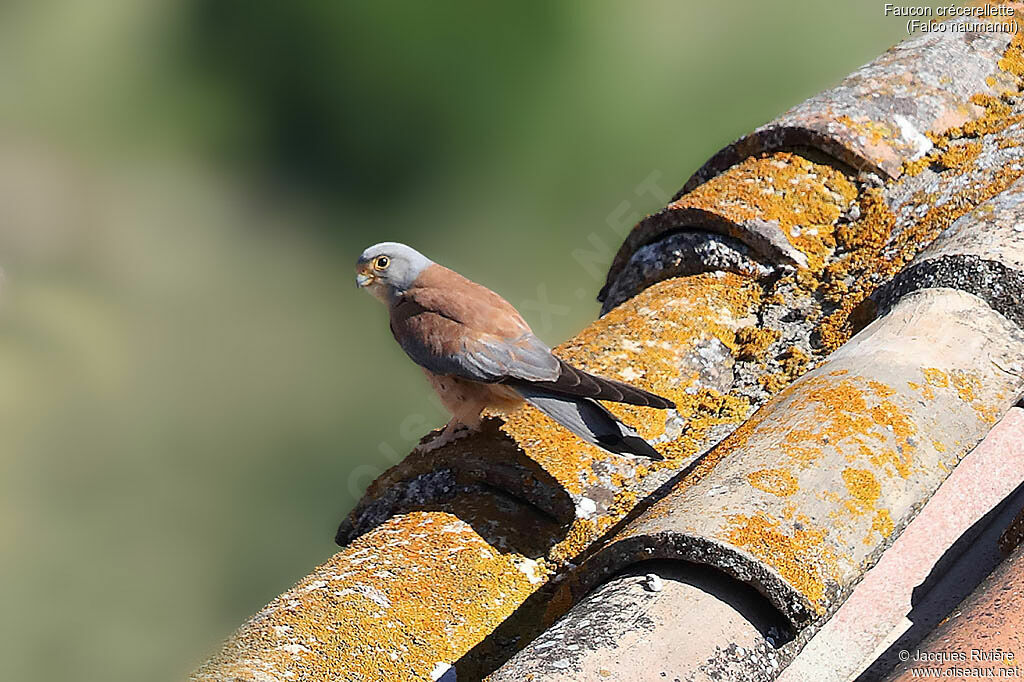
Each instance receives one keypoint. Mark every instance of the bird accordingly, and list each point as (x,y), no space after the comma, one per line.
(479,353)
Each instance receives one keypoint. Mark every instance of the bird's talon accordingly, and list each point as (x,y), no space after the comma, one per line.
(448,435)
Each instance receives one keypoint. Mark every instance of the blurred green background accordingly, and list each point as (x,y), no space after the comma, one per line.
(193,391)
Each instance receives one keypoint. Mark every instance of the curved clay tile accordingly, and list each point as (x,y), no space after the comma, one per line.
(767,206)
(807,492)
(461,556)
(981,253)
(880,116)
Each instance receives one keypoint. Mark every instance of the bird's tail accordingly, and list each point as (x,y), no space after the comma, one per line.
(573,381)
(589,420)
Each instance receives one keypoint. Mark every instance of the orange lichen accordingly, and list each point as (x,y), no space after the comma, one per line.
(1012,60)
(581,533)
(889,415)
(774,481)
(864,490)
(960,155)
(882,524)
(850,279)
(988,413)
(875,131)
(796,550)
(935,377)
(881,389)
(966,385)
(839,410)
(773,383)
(753,342)
(794,361)
(804,198)
(703,410)
(873,228)
(927,392)
(916,167)
(884,458)
(377,588)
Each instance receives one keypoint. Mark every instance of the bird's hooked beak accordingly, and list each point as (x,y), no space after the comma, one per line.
(364,275)
(373,283)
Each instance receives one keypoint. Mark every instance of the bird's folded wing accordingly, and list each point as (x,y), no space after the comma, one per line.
(495,347)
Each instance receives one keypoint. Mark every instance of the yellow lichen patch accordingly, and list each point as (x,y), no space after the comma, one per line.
(864,490)
(581,533)
(701,411)
(875,225)
(804,198)
(1012,60)
(831,411)
(882,524)
(794,361)
(361,614)
(998,115)
(773,383)
(774,481)
(881,389)
(927,392)
(960,155)
(966,385)
(935,377)
(889,415)
(939,446)
(890,461)
(556,450)
(875,131)
(916,167)
(753,342)
(988,413)
(863,241)
(796,550)
(734,442)
(850,410)
(854,276)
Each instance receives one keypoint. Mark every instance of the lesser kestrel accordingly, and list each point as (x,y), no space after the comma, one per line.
(478,353)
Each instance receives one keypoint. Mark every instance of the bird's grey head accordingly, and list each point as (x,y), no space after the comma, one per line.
(389,269)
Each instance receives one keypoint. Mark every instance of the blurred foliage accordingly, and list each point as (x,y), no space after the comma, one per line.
(364,98)
(193,391)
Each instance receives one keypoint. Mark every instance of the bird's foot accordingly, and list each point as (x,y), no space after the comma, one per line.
(451,433)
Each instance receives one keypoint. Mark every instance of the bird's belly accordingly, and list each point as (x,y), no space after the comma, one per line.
(460,396)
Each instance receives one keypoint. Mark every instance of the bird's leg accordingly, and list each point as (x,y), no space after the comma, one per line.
(465,420)
(452,431)
(471,421)
(465,400)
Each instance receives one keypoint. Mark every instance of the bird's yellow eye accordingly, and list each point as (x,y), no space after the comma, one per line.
(381,263)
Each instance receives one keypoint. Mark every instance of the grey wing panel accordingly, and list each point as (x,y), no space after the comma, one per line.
(526,358)
(446,347)
(589,420)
